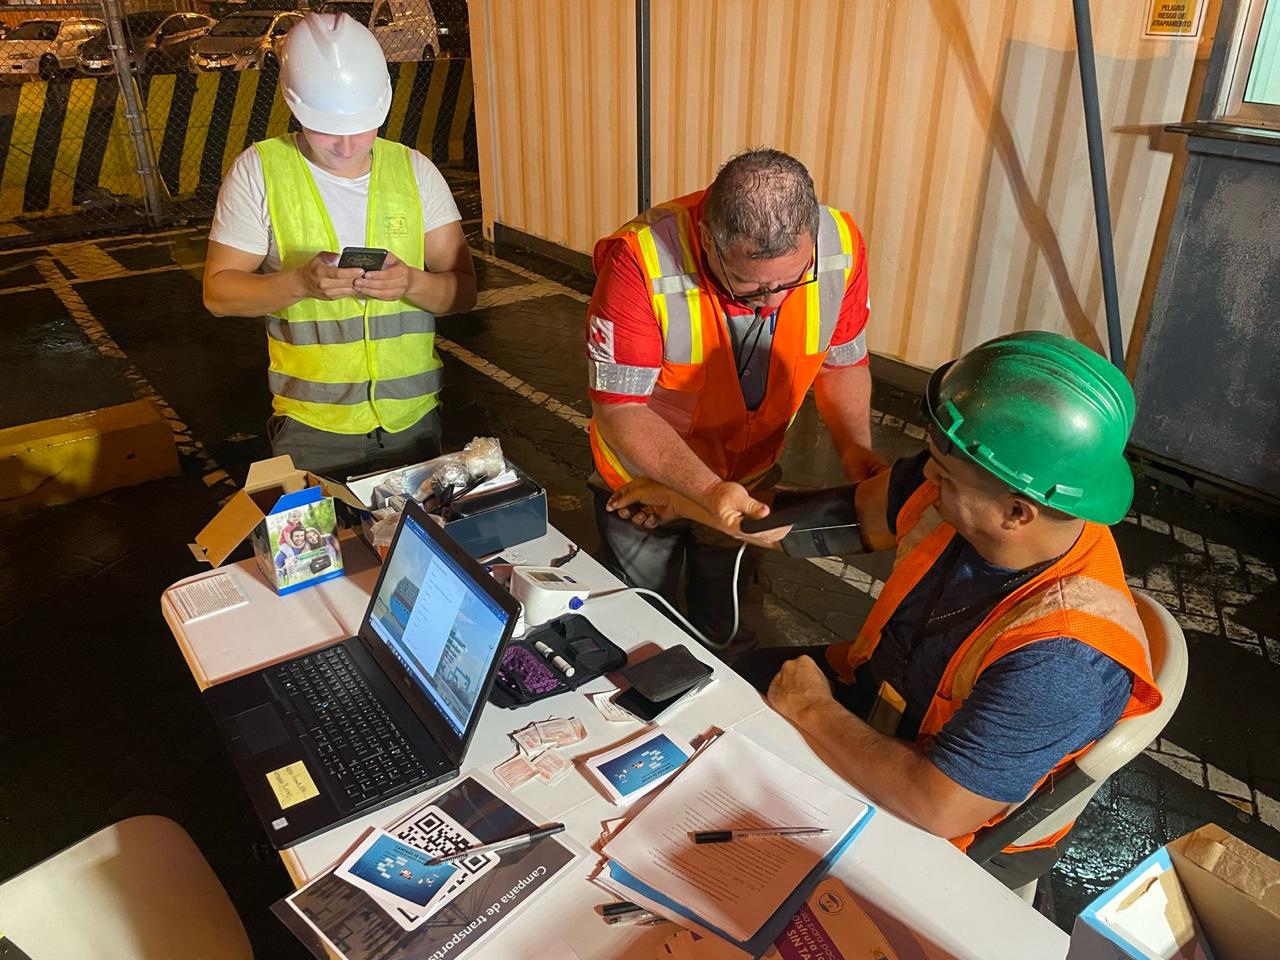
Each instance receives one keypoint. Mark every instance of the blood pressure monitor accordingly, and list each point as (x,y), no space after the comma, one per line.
(545,592)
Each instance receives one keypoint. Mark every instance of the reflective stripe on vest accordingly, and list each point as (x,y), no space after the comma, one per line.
(1082,595)
(678,301)
(349,365)
(308,333)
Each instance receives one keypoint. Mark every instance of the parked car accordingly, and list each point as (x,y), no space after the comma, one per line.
(244,41)
(406,29)
(153,39)
(46,47)
(454,27)
(173,52)
(221,9)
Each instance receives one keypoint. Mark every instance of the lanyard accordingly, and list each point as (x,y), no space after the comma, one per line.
(752,334)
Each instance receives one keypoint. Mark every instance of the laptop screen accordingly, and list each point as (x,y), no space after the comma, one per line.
(440,624)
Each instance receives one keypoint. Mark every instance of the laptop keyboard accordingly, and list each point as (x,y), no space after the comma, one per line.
(354,736)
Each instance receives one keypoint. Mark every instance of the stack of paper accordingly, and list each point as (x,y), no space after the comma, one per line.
(745,890)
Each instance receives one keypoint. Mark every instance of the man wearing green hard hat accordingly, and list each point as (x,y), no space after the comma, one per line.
(1005,642)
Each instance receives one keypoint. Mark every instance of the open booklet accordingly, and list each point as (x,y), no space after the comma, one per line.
(744,888)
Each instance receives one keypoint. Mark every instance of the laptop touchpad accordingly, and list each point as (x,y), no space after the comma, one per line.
(257,730)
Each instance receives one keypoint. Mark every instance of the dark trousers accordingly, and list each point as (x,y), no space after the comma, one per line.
(655,560)
(342,455)
(759,667)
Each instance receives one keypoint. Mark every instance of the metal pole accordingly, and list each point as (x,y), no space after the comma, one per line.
(1098,172)
(134,116)
(644,186)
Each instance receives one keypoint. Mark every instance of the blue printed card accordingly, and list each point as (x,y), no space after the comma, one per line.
(395,872)
(638,766)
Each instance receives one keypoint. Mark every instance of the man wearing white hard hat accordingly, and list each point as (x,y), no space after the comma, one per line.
(354,372)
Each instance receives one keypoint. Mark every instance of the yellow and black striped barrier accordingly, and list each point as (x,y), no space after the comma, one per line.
(64,144)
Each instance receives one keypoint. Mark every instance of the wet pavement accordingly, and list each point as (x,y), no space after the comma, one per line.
(100,720)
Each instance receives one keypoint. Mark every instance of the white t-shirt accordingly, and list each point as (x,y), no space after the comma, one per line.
(241,219)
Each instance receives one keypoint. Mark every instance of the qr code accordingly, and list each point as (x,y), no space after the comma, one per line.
(436,833)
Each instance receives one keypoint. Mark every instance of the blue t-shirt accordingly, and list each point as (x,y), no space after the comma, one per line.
(1027,711)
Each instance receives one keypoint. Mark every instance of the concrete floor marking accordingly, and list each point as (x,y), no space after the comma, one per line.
(513,383)
(140,386)
(505,296)
(528,274)
(87,260)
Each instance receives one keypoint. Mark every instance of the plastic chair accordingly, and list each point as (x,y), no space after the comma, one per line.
(1061,801)
(137,890)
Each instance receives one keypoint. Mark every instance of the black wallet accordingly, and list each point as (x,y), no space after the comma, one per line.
(666,674)
(527,674)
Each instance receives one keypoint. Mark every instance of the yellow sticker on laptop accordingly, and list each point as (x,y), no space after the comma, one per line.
(292,784)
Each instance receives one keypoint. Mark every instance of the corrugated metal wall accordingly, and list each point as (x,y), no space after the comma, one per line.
(556,115)
(952,129)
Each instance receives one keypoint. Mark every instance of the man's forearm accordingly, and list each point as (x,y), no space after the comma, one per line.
(843,395)
(653,448)
(239,293)
(891,772)
(452,291)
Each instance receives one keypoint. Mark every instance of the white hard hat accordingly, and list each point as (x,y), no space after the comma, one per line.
(333,75)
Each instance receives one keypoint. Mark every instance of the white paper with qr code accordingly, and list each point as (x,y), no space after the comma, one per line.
(435,832)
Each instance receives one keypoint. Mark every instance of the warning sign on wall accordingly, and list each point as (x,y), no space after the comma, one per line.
(1175,18)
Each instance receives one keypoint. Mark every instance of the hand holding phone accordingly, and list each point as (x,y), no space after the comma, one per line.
(367,259)
(390,281)
(321,278)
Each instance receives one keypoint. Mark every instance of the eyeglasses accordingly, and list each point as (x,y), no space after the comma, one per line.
(764,293)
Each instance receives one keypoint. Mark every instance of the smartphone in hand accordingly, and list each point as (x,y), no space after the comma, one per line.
(367,259)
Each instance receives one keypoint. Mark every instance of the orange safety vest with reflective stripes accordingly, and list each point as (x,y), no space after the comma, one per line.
(697,389)
(1082,595)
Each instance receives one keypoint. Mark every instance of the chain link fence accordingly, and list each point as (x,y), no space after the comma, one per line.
(118,113)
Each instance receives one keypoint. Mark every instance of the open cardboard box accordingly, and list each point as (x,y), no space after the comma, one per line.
(1205,896)
(290,520)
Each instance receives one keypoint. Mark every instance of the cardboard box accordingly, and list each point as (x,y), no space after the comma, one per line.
(486,523)
(292,523)
(1205,896)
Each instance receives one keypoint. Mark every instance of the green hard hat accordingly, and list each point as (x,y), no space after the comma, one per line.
(1044,414)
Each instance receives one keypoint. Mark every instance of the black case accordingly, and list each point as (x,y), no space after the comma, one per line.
(666,674)
(573,637)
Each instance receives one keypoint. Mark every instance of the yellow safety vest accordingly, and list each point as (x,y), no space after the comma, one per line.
(349,365)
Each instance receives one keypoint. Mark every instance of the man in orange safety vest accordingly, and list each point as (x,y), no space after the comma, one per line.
(713,315)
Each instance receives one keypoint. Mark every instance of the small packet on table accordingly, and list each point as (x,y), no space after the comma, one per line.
(559,733)
(550,766)
(515,772)
(609,710)
(529,740)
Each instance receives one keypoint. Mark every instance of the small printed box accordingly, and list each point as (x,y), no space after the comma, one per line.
(297,543)
(1205,896)
(293,527)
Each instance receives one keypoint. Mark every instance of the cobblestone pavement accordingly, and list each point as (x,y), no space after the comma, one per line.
(105,321)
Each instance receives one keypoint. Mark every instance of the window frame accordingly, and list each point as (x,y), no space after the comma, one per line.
(1231,106)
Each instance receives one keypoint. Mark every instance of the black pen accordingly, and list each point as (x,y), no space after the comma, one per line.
(498,846)
(724,836)
(619,908)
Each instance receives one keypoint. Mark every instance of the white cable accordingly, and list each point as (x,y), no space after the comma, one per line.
(714,645)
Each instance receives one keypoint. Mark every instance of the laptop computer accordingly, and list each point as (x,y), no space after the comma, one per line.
(326,737)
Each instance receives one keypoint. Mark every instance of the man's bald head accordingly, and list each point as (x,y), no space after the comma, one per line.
(762,200)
